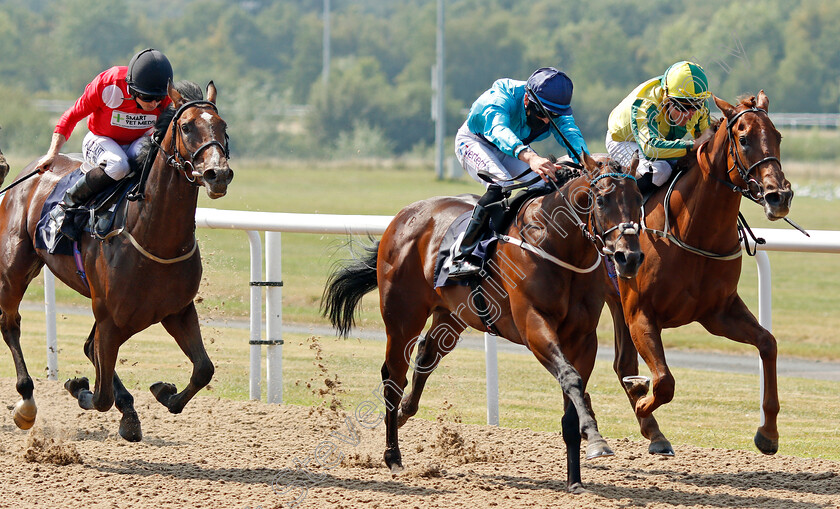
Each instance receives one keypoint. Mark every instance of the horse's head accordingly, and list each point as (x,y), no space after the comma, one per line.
(199,136)
(4,168)
(615,215)
(753,154)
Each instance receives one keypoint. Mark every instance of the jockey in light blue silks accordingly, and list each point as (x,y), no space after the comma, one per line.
(496,138)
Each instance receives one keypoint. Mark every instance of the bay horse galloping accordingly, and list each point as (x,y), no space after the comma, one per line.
(148,273)
(546,294)
(692,263)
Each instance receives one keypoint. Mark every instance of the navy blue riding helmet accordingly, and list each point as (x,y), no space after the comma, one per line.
(553,88)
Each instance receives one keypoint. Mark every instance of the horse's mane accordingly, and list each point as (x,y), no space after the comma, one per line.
(190,91)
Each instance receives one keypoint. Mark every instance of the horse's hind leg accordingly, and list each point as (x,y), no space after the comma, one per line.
(184,328)
(25,410)
(404,319)
(736,322)
(626,363)
(441,339)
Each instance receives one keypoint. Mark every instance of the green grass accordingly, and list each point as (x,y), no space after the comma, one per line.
(709,410)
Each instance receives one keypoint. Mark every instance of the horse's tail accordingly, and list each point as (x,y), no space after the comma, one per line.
(345,288)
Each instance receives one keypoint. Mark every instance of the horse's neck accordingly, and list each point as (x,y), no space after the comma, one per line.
(706,210)
(165,219)
(554,219)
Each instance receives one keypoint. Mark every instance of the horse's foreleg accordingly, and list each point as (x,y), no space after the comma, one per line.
(25,410)
(184,328)
(441,339)
(571,437)
(626,364)
(130,422)
(648,341)
(736,322)
(551,357)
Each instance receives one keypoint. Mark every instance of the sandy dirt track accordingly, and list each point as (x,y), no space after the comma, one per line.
(222,453)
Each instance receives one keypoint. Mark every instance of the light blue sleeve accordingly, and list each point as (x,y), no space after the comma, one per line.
(571,131)
(498,132)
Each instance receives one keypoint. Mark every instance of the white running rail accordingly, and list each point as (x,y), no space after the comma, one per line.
(273,223)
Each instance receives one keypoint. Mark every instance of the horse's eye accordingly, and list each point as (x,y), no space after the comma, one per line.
(186,128)
(600,201)
(743,141)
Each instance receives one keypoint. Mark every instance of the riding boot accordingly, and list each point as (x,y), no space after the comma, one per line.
(78,194)
(464,264)
(645,183)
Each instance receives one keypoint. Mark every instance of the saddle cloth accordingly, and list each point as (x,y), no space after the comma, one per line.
(98,217)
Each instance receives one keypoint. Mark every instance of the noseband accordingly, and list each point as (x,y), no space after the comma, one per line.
(628,228)
(175,159)
(754,190)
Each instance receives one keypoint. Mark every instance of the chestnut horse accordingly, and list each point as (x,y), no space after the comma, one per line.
(693,275)
(149,273)
(546,295)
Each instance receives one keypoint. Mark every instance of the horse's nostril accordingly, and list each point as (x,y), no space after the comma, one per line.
(773,199)
(620,258)
(209,175)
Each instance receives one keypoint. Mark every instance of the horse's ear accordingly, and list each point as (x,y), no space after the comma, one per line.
(727,109)
(634,163)
(763,101)
(589,164)
(177,99)
(211,92)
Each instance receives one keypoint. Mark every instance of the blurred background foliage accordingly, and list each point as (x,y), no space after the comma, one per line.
(266,58)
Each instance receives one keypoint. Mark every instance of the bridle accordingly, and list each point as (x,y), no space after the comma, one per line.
(179,162)
(626,228)
(590,232)
(754,190)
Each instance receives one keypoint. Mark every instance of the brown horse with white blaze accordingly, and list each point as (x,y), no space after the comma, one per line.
(149,273)
(543,288)
(691,272)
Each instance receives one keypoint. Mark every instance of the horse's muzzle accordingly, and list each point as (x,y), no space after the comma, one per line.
(627,262)
(216,180)
(777,203)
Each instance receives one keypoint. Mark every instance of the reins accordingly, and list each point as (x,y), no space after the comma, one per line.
(177,161)
(585,227)
(665,233)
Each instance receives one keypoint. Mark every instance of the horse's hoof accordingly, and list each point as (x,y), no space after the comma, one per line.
(76,385)
(163,392)
(766,445)
(636,386)
(598,449)
(24,413)
(577,489)
(130,427)
(393,459)
(661,447)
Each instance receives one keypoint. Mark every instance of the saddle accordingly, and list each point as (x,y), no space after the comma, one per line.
(502,214)
(102,216)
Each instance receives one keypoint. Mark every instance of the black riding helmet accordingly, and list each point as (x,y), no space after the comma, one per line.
(149,73)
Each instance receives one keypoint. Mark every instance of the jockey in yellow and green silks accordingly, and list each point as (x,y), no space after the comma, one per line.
(655,119)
